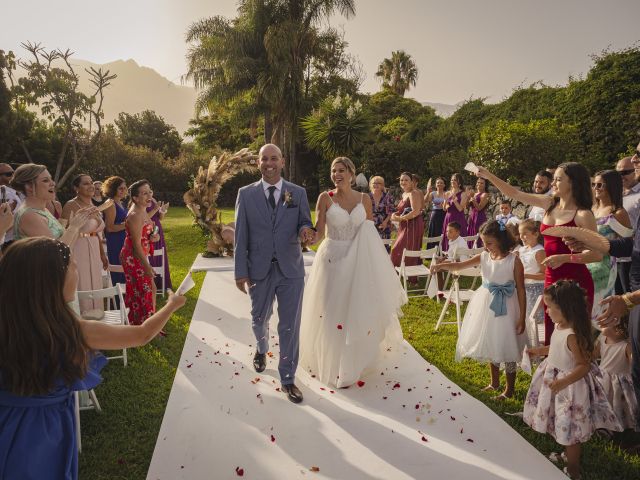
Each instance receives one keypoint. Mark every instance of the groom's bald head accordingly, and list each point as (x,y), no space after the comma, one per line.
(271,148)
(270,163)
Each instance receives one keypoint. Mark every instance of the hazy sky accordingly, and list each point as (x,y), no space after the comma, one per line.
(463,48)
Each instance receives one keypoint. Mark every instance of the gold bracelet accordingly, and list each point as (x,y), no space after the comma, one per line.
(627,301)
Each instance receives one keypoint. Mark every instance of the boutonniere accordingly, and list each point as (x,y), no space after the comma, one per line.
(288,199)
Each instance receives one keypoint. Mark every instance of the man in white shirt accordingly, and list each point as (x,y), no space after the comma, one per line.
(631,203)
(541,185)
(9,195)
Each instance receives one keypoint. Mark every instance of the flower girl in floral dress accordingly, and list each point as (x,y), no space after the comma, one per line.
(614,351)
(565,398)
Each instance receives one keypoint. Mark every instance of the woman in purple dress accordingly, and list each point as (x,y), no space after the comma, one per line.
(157,211)
(478,203)
(410,223)
(454,205)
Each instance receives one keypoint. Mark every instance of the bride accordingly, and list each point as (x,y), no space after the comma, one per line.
(353,297)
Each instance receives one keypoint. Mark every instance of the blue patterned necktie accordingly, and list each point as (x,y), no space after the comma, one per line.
(272,198)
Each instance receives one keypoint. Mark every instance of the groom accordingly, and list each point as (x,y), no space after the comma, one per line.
(272,218)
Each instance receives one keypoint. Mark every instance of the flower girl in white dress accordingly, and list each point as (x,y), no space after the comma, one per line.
(493,325)
(353,296)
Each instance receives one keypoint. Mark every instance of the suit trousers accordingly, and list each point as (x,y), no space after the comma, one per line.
(288,292)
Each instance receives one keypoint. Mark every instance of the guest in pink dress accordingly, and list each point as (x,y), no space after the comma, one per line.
(88,249)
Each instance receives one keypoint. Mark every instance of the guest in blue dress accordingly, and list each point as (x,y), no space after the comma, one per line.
(114,217)
(37,420)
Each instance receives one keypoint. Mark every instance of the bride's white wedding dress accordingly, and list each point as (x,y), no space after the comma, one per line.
(351,301)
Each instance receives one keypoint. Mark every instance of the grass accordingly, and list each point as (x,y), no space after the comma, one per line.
(118,443)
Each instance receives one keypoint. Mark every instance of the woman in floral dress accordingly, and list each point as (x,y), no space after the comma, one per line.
(383,207)
(613,222)
(134,256)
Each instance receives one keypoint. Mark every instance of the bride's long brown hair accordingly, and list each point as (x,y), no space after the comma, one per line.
(40,337)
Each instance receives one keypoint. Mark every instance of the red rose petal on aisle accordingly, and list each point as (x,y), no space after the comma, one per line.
(470,440)
(315,469)
(360,383)
(339,326)
(190,365)
(240,471)
(424,439)
(397,385)
(273,439)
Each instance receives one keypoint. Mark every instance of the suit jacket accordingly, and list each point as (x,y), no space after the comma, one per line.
(263,234)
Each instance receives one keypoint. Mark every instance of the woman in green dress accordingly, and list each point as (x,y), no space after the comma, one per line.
(613,222)
(32,218)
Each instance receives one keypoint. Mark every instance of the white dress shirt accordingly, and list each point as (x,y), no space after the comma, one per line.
(277,191)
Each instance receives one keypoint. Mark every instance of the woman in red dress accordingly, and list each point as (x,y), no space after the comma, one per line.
(140,297)
(569,206)
(408,214)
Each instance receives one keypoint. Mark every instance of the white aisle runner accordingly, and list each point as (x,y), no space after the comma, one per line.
(223,420)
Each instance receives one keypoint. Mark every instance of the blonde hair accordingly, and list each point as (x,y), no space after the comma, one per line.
(26,174)
(374,179)
(348,164)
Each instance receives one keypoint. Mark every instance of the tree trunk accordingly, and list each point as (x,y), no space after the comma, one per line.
(293,164)
(268,127)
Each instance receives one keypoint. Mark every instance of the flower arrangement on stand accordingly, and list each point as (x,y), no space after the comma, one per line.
(202,198)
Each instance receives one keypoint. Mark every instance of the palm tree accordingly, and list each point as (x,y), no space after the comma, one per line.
(399,73)
(265,52)
(291,44)
(228,59)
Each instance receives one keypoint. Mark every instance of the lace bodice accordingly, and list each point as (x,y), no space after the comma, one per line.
(342,225)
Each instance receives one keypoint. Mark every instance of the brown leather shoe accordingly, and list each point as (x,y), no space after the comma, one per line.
(293,392)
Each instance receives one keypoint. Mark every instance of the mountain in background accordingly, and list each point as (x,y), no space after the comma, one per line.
(442,109)
(139,88)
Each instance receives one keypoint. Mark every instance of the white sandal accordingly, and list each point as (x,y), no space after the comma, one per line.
(556,457)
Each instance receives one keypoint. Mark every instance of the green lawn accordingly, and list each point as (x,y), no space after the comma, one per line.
(118,443)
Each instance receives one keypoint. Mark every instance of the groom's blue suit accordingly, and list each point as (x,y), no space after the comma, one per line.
(268,252)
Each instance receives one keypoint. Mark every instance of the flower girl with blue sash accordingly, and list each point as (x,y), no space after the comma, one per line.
(494,322)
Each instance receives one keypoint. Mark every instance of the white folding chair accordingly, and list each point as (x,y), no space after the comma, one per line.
(437,240)
(159,270)
(457,255)
(92,404)
(534,330)
(420,270)
(112,315)
(458,295)
(473,239)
